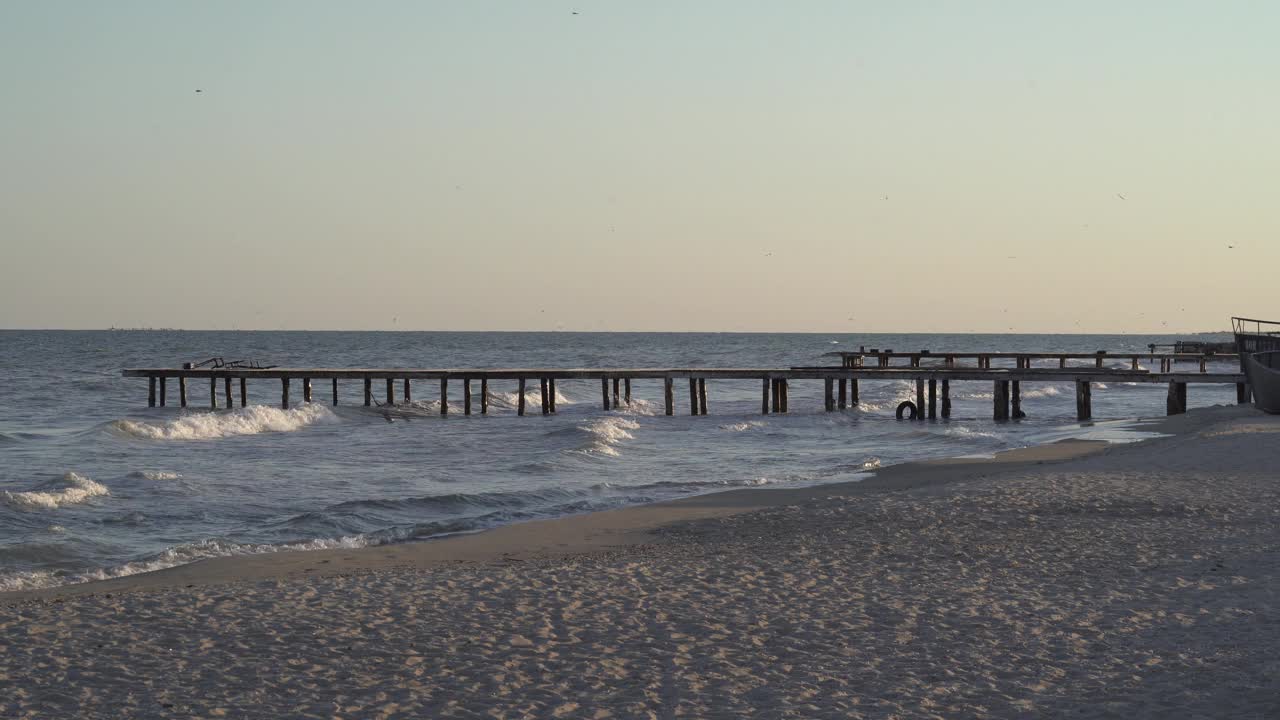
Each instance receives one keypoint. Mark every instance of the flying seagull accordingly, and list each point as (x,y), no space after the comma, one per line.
(1121,196)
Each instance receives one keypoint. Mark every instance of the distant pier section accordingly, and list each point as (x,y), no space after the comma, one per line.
(932,373)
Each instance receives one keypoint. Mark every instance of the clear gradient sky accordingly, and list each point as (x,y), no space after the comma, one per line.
(826,166)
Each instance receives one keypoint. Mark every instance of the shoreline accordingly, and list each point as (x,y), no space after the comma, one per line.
(585,533)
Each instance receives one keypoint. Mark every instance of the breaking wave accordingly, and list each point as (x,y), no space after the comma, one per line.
(70,489)
(604,434)
(155,475)
(241,421)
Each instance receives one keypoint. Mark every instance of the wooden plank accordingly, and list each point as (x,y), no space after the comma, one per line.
(284,393)
(444,397)
(1084,400)
(702,396)
(520,399)
(946,398)
(668,396)
(466,396)
(151,391)
(182,392)
(484,396)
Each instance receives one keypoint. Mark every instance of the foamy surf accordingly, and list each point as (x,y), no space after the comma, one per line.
(70,489)
(250,420)
(606,433)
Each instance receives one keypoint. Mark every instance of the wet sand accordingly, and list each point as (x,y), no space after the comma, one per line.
(1135,580)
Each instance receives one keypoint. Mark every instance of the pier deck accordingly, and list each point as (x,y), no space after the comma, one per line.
(615,383)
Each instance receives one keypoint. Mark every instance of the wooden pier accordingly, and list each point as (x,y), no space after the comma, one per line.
(841,384)
(1063,360)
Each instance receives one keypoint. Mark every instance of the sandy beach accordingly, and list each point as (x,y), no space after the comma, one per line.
(1074,579)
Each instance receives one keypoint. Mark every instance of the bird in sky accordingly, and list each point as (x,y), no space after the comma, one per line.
(1231,247)
(1121,196)
(199,90)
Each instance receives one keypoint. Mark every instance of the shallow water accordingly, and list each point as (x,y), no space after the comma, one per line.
(95,484)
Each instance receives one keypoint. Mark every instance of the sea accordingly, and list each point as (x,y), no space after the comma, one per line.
(94,484)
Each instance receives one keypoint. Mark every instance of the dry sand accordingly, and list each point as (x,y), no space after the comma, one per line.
(1130,581)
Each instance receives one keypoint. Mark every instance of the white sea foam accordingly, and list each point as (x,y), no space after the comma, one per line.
(70,489)
(743,426)
(155,475)
(174,556)
(1046,391)
(606,433)
(532,398)
(241,421)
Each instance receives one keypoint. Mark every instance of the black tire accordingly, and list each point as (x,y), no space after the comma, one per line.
(909,408)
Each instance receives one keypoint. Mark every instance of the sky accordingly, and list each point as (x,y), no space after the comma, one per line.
(694,165)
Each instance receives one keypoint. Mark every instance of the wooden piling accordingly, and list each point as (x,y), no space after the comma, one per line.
(466,396)
(617,394)
(920,398)
(244,392)
(702,396)
(368,391)
(226,386)
(1084,400)
(775,390)
(520,399)
(1017,401)
(546,402)
(284,393)
(1098,362)
(408,391)
(444,396)
(668,395)
(1062,362)
(626,390)
(853,392)
(1204,364)
(335,391)
(1177,401)
(693,396)
(828,401)
(391,391)
(306,389)
(764,396)
(946,398)
(933,399)
(1000,400)
(163,391)
(213,393)
(844,393)
(151,391)
(551,394)
(182,392)
(604,393)
(784,390)
(1242,393)
(484,396)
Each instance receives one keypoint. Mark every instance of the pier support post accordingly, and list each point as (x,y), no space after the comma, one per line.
(784,390)
(1017,401)
(1242,393)
(920,398)
(551,394)
(775,390)
(546,402)
(933,398)
(484,396)
(617,395)
(306,389)
(284,393)
(520,399)
(764,397)
(1177,402)
(408,391)
(368,391)
(226,387)
(444,396)
(828,402)
(466,396)
(604,393)
(693,396)
(844,393)
(853,392)
(1084,400)
(391,391)
(244,392)
(182,392)
(213,393)
(946,398)
(668,395)
(702,396)
(1000,399)
(1098,362)
(151,391)
(163,391)
(335,392)
(626,390)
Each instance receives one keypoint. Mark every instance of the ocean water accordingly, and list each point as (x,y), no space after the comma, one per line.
(95,484)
